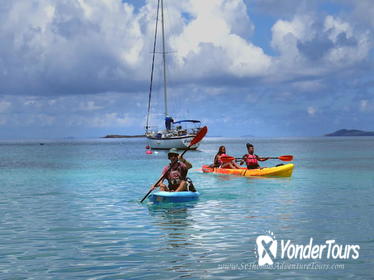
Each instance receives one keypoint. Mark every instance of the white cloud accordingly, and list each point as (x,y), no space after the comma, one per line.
(252,98)
(335,26)
(363,11)
(350,47)
(308,86)
(366,106)
(309,45)
(215,35)
(32,102)
(311,111)
(75,47)
(94,111)
(4,106)
(286,34)
(89,106)
(32,119)
(71,46)
(104,120)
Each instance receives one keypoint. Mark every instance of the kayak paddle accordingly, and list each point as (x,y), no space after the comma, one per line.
(226,159)
(283,158)
(199,136)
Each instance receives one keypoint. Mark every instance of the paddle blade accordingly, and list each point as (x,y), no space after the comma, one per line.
(199,136)
(286,158)
(226,159)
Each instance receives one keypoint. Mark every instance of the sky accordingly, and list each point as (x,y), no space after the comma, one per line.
(267,68)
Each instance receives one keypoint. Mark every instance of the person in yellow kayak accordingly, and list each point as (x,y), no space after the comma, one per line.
(219,163)
(251,159)
(176,174)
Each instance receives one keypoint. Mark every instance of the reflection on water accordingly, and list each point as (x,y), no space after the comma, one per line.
(175,220)
(176,226)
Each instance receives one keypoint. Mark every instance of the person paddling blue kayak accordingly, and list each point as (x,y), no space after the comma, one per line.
(176,174)
(199,136)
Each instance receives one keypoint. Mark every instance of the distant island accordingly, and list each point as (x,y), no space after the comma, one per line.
(123,136)
(351,132)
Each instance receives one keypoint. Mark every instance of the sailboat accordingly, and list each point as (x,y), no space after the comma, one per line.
(176,134)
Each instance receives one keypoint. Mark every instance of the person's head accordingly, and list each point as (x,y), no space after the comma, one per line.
(250,148)
(222,150)
(173,155)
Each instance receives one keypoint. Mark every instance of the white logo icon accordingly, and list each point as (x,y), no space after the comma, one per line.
(266,249)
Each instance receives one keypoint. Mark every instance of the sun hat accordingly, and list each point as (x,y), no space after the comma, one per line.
(173,151)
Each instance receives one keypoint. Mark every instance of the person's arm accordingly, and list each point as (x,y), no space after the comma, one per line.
(183,172)
(217,160)
(242,161)
(261,158)
(186,162)
(161,184)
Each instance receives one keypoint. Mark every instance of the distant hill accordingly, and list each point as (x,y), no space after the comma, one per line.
(351,132)
(123,136)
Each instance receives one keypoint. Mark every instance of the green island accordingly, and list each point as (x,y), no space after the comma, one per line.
(351,132)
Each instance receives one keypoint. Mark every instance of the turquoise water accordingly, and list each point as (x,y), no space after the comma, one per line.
(70,209)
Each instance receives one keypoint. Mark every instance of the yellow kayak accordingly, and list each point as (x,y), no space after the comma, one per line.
(276,171)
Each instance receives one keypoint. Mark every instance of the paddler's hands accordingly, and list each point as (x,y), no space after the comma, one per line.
(156,186)
(162,186)
(186,162)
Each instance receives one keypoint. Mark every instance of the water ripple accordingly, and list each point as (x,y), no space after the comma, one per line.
(75,213)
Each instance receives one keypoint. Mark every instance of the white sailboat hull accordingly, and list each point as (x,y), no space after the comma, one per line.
(180,143)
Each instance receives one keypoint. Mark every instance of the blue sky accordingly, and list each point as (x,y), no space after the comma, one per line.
(266,68)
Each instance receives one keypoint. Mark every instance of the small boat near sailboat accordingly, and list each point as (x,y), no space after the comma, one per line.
(177,134)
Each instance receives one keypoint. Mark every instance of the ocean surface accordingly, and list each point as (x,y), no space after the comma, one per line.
(69,209)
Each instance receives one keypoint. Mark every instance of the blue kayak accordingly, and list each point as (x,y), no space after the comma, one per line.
(173,196)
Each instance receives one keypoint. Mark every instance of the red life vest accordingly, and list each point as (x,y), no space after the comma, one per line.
(176,174)
(251,161)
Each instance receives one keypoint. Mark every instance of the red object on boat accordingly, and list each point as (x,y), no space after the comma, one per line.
(147,147)
(148,152)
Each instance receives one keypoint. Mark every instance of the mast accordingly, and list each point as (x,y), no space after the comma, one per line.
(153,67)
(164,57)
